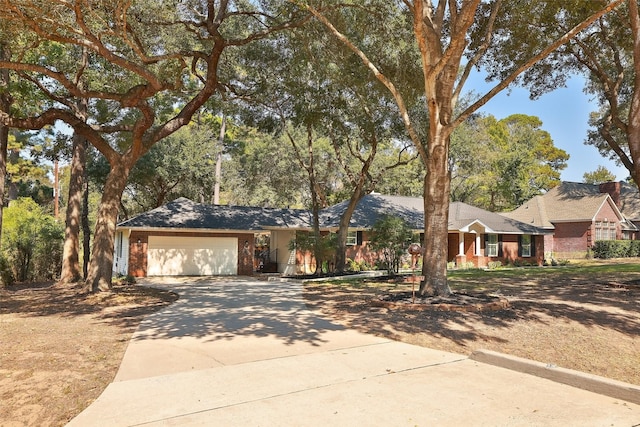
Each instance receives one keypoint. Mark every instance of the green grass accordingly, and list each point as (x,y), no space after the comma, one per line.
(469,280)
(491,280)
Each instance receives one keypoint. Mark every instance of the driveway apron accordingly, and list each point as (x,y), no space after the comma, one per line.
(242,352)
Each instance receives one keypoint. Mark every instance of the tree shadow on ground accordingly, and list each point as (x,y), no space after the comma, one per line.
(124,306)
(591,302)
(222,309)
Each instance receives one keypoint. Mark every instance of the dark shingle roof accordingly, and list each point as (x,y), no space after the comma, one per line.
(411,209)
(183,213)
(372,207)
(461,216)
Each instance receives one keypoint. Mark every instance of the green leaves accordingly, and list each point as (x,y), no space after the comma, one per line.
(497,165)
(31,241)
(391,236)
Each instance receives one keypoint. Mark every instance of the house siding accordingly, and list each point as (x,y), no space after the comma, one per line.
(138,251)
(573,239)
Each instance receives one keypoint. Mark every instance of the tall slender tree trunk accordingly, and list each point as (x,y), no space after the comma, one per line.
(101,265)
(315,202)
(216,187)
(633,128)
(5,105)
(86,227)
(56,188)
(71,250)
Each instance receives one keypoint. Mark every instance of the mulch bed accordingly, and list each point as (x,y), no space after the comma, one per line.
(457,301)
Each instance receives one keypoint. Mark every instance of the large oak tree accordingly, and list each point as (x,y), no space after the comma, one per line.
(151,66)
(452,37)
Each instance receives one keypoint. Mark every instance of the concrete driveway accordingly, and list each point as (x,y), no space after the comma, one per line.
(243,352)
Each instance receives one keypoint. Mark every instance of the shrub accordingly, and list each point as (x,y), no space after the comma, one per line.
(31,242)
(390,237)
(352,265)
(492,265)
(606,249)
(6,272)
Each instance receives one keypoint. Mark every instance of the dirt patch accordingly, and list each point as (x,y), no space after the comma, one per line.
(60,348)
(582,321)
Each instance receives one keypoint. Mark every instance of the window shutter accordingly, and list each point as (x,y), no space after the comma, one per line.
(520,246)
(486,245)
(499,245)
(359,237)
(533,246)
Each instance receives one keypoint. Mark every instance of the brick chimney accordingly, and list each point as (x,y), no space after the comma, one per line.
(613,188)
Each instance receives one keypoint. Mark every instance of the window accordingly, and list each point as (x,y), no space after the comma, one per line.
(492,245)
(605,230)
(352,238)
(525,246)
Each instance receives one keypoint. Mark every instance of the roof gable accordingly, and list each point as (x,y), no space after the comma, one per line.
(568,202)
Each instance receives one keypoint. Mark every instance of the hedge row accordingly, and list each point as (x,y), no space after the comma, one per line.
(616,249)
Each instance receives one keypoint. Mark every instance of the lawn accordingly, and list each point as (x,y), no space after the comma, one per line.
(60,348)
(581,316)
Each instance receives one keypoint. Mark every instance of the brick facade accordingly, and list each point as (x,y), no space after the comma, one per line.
(509,252)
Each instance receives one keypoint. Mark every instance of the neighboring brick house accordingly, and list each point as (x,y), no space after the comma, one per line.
(475,235)
(577,215)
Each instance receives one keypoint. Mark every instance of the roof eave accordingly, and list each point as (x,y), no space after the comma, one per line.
(189,230)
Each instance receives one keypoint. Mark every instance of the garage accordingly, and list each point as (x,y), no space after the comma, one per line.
(192,256)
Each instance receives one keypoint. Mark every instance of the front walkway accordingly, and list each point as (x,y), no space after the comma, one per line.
(240,352)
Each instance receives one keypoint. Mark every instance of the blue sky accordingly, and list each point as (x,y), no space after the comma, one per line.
(564,114)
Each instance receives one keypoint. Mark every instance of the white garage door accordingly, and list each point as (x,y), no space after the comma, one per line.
(192,256)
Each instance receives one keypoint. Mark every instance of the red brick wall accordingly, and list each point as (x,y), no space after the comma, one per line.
(138,252)
(510,244)
(363,252)
(509,248)
(613,188)
(572,238)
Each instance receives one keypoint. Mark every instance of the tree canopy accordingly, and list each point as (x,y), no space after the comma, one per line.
(379,77)
(451,39)
(598,176)
(499,164)
(150,59)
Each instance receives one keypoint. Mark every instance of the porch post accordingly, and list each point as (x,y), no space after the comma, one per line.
(460,243)
(478,249)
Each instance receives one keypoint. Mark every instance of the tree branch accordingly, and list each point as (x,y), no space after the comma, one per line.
(508,80)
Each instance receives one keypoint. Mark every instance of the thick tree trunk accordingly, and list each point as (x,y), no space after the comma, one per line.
(71,251)
(101,265)
(633,128)
(436,218)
